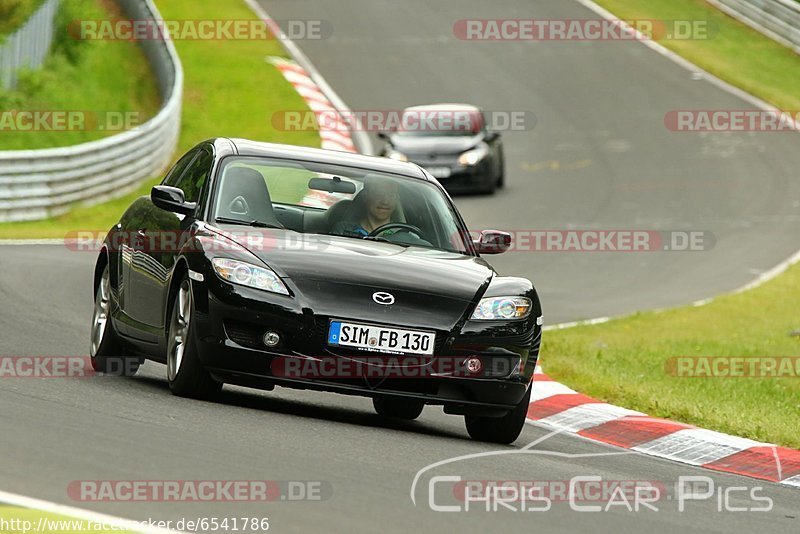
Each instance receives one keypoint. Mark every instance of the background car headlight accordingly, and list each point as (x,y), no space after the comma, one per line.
(500,308)
(394,154)
(472,157)
(246,274)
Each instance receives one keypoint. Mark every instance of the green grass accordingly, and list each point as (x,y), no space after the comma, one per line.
(230,90)
(733,52)
(82,76)
(624,362)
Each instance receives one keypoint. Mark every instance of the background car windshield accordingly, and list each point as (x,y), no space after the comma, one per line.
(436,122)
(315,198)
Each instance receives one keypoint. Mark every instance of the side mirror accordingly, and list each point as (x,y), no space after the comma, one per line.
(383,135)
(493,242)
(171,199)
(491,136)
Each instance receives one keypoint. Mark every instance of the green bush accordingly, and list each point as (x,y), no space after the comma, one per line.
(14,13)
(69,11)
(88,75)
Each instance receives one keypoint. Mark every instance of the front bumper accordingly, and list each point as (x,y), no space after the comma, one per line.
(230,322)
(461,178)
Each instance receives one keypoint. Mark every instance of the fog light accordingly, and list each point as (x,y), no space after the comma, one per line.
(271,339)
(473,365)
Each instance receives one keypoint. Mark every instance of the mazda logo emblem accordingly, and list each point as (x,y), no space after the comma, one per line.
(381,297)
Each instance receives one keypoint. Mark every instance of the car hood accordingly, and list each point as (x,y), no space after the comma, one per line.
(445,144)
(337,277)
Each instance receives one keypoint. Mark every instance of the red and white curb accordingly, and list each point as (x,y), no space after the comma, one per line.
(556,406)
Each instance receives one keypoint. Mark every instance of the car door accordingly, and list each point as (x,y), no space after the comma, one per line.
(164,232)
(138,272)
(125,240)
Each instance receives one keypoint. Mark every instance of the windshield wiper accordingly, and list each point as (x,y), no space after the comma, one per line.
(242,222)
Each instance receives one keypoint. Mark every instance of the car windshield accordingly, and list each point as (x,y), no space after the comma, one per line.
(314,198)
(440,121)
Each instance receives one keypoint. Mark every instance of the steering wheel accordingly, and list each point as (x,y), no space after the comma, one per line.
(399,225)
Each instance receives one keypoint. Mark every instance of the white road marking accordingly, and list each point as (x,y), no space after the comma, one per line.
(696,446)
(586,416)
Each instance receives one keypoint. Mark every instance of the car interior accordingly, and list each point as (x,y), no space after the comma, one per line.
(245,196)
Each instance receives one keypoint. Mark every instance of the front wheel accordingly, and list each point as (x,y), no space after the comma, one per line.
(408,409)
(107,351)
(186,375)
(502,430)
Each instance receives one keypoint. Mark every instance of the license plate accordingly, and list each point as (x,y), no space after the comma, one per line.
(380,338)
(439,172)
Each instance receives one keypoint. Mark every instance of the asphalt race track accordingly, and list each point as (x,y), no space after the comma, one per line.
(63,430)
(596,102)
(599,156)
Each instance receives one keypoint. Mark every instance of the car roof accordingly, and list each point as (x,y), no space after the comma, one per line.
(245,147)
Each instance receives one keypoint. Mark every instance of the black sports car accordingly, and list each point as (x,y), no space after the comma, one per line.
(260,265)
(452,142)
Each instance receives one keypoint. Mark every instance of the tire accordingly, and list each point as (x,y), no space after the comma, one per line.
(107,352)
(503,430)
(501,178)
(185,373)
(407,409)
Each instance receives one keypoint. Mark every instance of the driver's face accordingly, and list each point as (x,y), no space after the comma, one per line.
(382,200)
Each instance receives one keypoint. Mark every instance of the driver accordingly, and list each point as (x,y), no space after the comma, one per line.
(375,207)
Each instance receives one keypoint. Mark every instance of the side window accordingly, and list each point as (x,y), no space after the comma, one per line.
(177,170)
(195,176)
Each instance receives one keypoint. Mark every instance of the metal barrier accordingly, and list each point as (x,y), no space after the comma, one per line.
(36,184)
(777,19)
(28,46)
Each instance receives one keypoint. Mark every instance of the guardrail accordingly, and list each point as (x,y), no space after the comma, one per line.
(28,46)
(777,19)
(36,184)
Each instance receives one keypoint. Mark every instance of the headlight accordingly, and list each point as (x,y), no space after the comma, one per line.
(246,274)
(394,154)
(502,308)
(472,157)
